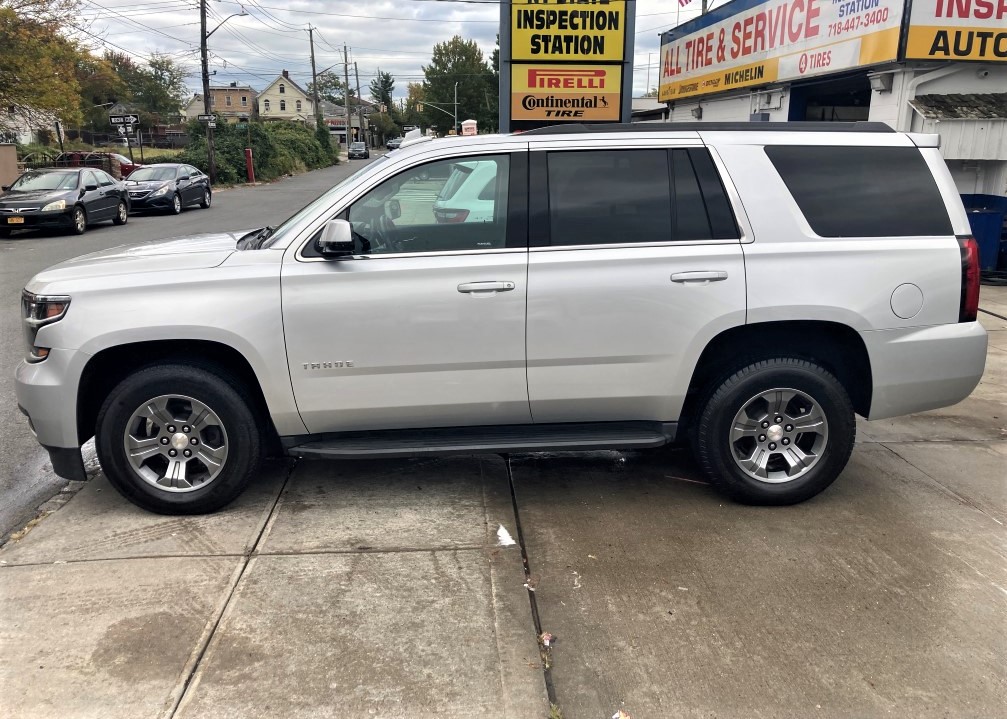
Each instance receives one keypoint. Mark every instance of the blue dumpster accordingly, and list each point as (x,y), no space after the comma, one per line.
(986,218)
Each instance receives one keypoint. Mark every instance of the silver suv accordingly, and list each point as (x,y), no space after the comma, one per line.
(750,288)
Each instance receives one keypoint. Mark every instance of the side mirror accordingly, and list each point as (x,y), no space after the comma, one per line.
(90,187)
(393,209)
(4,188)
(336,240)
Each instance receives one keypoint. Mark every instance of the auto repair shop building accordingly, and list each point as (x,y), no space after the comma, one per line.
(936,66)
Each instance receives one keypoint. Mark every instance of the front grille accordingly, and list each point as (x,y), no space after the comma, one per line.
(17,210)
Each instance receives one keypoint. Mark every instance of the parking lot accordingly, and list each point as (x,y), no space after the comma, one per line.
(386,588)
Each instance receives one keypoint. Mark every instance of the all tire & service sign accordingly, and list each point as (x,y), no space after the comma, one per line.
(958,30)
(565,60)
(754,42)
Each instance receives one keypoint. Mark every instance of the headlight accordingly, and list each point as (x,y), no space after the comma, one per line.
(38,311)
(55,206)
(160,191)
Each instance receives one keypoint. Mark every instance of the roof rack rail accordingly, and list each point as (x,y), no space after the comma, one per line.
(576,129)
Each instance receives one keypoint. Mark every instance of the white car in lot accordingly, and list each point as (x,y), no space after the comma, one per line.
(469,195)
(747,288)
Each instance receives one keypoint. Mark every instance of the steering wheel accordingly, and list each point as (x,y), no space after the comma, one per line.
(381,235)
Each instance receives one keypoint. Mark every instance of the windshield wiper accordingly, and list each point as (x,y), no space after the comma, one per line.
(254,239)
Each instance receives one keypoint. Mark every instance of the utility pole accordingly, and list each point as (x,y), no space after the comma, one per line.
(455,128)
(212,160)
(705,7)
(346,93)
(360,107)
(314,78)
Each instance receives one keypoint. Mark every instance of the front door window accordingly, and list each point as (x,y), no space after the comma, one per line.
(446,206)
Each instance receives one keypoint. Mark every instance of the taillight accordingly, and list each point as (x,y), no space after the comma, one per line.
(450,217)
(968,308)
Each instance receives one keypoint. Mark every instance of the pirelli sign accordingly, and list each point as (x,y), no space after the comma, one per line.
(567,60)
(584,93)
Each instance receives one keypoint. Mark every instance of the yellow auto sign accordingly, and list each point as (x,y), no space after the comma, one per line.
(947,30)
(557,30)
(566,92)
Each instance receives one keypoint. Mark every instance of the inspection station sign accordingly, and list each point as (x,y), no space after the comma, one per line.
(566,60)
(568,30)
(589,93)
(754,42)
(957,30)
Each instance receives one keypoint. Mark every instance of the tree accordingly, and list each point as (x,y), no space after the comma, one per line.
(161,87)
(414,98)
(100,87)
(382,88)
(331,88)
(459,61)
(37,65)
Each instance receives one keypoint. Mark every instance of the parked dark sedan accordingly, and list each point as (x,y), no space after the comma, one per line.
(68,198)
(168,187)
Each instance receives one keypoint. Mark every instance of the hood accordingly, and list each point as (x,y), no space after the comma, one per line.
(182,253)
(32,196)
(144,184)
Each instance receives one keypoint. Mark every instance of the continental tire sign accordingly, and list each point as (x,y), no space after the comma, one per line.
(588,93)
(958,30)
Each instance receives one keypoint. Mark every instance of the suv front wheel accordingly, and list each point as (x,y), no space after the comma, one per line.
(178,439)
(778,431)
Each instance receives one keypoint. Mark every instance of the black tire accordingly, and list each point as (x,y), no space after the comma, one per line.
(712,435)
(78,224)
(207,199)
(230,402)
(121,214)
(176,204)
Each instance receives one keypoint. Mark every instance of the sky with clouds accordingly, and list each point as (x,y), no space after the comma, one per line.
(396,36)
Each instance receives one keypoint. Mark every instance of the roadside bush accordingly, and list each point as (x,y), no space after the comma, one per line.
(278,148)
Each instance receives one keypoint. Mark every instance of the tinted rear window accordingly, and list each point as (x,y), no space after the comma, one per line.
(863,191)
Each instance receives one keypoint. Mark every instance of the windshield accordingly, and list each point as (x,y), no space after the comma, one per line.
(322,201)
(46,181)
(146,174)
(357,146)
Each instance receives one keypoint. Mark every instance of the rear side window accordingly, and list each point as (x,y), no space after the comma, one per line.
(863,191)
(599,197)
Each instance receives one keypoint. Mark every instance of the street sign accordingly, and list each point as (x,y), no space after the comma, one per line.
(211,124)
(206,118)
(123,119)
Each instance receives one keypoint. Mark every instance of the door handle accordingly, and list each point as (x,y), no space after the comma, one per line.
(699,278)
(485,287)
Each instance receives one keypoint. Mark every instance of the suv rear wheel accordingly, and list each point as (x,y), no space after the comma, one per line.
(778,431)
(178,439)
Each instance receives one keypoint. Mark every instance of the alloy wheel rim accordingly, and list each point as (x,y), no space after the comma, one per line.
(779,435)
(175,443)
(78,218)
(176,203)
(122,211)
(206,196)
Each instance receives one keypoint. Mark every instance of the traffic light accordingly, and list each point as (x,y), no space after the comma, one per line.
(419,107)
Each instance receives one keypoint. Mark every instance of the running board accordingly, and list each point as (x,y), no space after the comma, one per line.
(480,440)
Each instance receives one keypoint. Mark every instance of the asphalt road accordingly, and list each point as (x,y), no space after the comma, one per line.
(26,478)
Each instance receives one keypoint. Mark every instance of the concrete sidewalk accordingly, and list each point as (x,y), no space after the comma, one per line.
(379,588)
(328,590)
